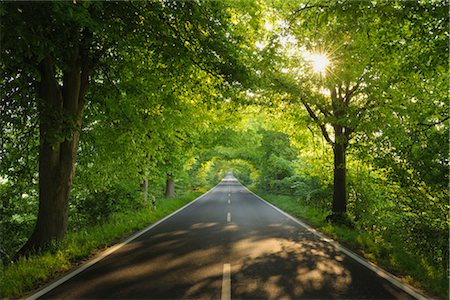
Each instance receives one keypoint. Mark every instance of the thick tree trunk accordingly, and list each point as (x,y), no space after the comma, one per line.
(339,104)
(170,186)
(340,179)
(61,111)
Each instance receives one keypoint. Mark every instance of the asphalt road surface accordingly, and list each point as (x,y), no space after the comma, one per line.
(228,244)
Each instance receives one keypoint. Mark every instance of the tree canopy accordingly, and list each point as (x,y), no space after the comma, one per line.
(341,103)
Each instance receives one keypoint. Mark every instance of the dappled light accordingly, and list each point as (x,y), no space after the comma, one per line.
(115,114)
(271,257)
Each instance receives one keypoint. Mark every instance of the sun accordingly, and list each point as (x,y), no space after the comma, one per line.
(320,63)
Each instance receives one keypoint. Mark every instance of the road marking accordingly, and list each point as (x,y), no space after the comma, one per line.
(107,252)
(228,217)
(229,201)
(226,282)
(371,266)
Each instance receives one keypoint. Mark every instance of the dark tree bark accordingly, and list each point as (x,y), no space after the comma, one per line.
(60,115)
(339,105)
(340,99)
(340,179)
(170,186)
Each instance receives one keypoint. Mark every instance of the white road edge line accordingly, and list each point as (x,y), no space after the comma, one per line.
(371,266)
(108,251)
(228,217)
(226,282)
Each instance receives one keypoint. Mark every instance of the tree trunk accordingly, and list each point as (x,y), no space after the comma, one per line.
(339,105)
(170,186)
(145,188)
(340,178)
(60,114)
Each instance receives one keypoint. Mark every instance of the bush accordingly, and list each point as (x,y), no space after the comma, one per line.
(28,273)
(18,207)
(97,206)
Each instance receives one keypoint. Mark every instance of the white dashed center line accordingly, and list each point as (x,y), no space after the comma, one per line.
(226,282)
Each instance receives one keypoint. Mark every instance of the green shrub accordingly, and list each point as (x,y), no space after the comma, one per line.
(385,243)
(28,273)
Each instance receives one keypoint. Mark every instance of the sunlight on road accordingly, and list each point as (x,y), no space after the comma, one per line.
(316,265)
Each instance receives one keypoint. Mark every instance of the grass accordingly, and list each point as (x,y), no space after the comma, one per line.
(391,255)
(27,274)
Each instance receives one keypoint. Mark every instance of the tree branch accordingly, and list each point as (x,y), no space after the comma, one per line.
(309,7)
(316,119)
(323,111)
(350,91)
(347,132)
(186,40)
(434,124)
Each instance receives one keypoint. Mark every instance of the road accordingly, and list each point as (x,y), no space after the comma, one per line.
(228,244)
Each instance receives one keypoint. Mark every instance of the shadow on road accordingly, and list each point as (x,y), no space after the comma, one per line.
(271,257)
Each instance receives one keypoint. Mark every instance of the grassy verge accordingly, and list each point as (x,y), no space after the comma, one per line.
(388,254)
(29,273)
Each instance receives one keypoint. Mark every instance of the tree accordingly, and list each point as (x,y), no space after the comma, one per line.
(342,70)
(60,82)
(276,155)
(55,50)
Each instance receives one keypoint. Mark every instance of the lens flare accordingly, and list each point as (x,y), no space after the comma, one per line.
(320,63)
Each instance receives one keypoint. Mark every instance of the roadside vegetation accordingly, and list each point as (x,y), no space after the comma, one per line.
(388,250)
(29,273)
(384,221)
(341,105)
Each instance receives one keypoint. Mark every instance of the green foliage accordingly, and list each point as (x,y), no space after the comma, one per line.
(389,250)
(152,71)
(97,206)
(211,172)
(28,273)
(397,116)
(18,210)
(296,207)
(197,89)
(275,161)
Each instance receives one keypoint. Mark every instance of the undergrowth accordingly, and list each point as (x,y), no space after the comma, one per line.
(26,274)
(388,253)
